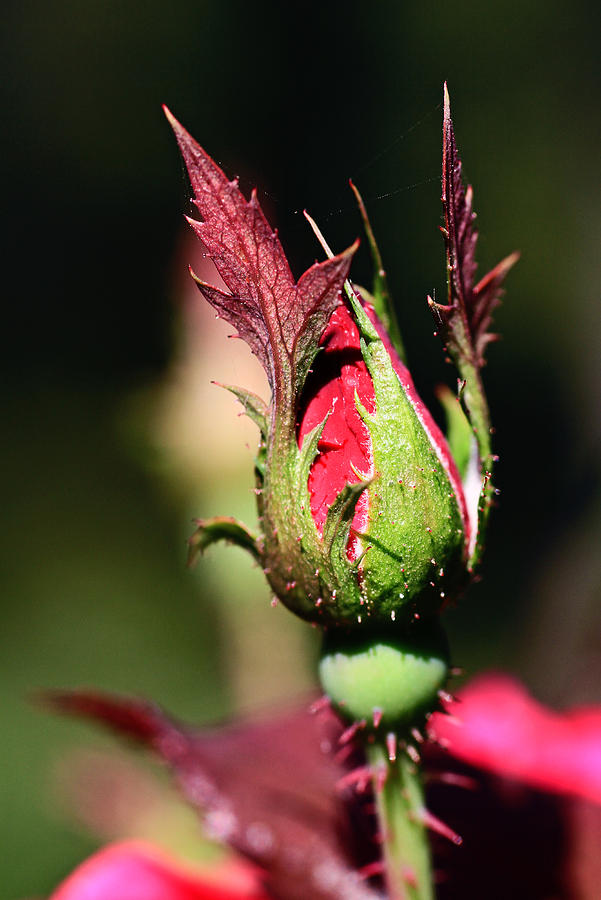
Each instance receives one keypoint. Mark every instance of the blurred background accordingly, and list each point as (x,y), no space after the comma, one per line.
(114,437)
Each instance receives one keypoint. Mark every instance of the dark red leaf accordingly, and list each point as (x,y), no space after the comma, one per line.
(467,316)
(464,322)
(269,789)
(280,320)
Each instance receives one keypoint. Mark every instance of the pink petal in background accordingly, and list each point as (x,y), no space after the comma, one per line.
(497,726)
(133,870)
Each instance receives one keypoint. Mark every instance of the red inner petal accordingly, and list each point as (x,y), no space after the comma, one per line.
(345,445)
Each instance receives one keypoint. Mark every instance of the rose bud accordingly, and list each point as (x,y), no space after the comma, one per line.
(384,493)
(363,515)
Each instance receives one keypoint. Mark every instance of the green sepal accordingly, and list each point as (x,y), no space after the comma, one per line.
(257,411)
(305,458)
(221,528)
(415,530)
(414,539)
(475,407)
(254,407)
(464,321)
(460,436)
(337,525)
(367,329)
(366,417)
(310,541)
(380,297)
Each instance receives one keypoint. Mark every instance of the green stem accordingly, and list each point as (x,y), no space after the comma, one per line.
(405,845)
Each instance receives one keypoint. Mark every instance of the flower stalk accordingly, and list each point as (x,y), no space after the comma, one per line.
(400,810)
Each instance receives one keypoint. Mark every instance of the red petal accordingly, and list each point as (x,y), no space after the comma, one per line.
(136,871)
(498,726)
(345,445)
(345,442)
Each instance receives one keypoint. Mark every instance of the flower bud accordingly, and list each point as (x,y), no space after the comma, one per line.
(368,521)
(361,506)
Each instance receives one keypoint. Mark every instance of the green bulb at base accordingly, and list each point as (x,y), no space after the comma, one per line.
(392,681)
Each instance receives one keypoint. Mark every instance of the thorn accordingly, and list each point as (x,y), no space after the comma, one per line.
(456,671)
(319,705)
(377,716)
(343,754)
(351,731)
(374,868)
(380,776)
(358,779)
(452,778)
(412,753)
(417,735)
(445,697)
(438,826)
(451,719)
(391,745)
(409,877)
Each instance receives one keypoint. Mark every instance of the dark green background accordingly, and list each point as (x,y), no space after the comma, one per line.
(295,98)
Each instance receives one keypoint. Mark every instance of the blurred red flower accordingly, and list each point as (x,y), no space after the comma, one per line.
(277,791)
(134,870)
(497,726)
